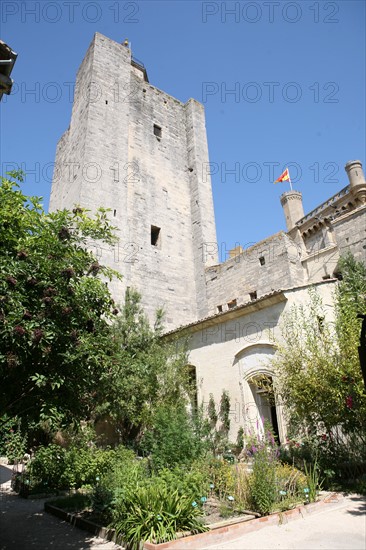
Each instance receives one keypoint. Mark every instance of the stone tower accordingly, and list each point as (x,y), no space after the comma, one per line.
(136,150)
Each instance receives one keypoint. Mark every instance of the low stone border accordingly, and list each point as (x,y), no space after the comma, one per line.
(232,532)
(217,533)
(81,523)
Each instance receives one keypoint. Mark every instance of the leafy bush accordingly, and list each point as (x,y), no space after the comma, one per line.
(319,377)
(263,479)
(263,483)
(290,480)
(126,474)
(222,477)
(153,512)
(192,482)
(172,439)
(48,466)
(59,468)
(13,441)
(102,500)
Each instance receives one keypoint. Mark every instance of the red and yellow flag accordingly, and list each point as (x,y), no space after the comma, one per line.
(285,176)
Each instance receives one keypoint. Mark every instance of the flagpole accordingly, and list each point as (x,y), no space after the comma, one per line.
(289,179)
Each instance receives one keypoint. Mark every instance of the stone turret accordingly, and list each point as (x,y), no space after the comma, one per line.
(356,180)
(292,207)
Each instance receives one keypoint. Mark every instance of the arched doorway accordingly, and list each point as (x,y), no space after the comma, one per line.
(259,402)
(262,390)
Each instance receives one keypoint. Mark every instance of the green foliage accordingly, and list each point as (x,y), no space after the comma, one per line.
(54,308)
(57,468)
(220,474)
(216,439)
(312,478)
(102,500)
(318,373)
(147,372)
(211,411)
(156,513)
(13,441)
(263,483)
(47,467)
(172,438)
(191,482)
(290,480)
(263,479)
(240,438)
(225,412)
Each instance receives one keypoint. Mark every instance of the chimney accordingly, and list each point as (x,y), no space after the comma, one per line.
(292,207)
(357,180)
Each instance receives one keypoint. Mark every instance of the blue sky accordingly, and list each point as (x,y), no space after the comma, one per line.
(296,71)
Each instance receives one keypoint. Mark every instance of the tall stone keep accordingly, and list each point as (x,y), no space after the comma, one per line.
(143,154)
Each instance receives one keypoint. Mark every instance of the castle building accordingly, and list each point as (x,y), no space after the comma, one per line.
(139,152)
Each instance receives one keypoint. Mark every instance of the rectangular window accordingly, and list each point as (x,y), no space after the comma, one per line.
(157,131)
(155,236)
(262,260)
(231,304)
(219,309)
(253,295)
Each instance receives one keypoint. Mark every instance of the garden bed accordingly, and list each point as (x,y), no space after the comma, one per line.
(224,530)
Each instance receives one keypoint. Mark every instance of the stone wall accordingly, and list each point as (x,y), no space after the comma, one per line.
(229,349)
(139,152)
(267,266)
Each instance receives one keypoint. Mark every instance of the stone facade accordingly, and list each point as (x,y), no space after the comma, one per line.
(228,349)
(139,152)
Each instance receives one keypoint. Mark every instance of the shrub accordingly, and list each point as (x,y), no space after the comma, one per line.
(242,487)
(263,482)
(172,439)
(59,468)
(263,479)
(153,512)
(48,466)
(102,500)
(123,478)
(290,480)
(73,503)
(192,482)
(14,444)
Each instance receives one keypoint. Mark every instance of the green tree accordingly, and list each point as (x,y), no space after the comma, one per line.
(147,371)
(318,372)
(55,308)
